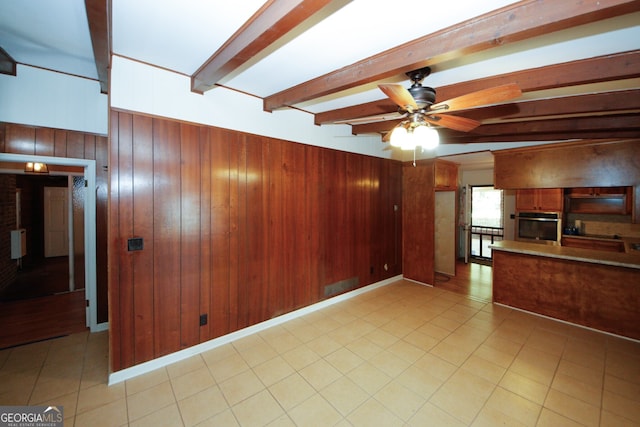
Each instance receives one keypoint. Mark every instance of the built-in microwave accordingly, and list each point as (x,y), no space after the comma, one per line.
(539,227)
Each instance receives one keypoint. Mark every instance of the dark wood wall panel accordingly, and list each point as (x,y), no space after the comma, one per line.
(238,227)
(42,141)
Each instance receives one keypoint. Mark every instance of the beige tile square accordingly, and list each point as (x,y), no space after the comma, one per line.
(525,387)
(219,353)
(622,387)
(419,381)
(282,342)
(226,368)
(145,381)
(572,408)
(532,371)
(551,419)
(406,351)
(320,374)
(240,387)
(495,356)
(224,418)
(582,373)
(621,405)
(150,400)
(168,416)
(344,395)
(463,387)
(484,369)
(369,378)
(292,391)
(451,353)
(434,331)
(421,340)
(315,411)
(436,367)
(365,348)
(192,383)
(431,415)
(185,366)
(259,353)
(111,414)
(373,413)
(323,345)
(201,406)
(274,370)
(514,406)
(547,341)
(577,389)
(344,360)
(300,357)
(389,363)
(99,395)
(608,419)
(68,402)
(258,410)
(400,400)
(47,389)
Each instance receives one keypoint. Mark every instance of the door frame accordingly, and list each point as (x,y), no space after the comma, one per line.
(89,167)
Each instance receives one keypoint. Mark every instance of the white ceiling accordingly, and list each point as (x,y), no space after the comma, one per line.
(181,35)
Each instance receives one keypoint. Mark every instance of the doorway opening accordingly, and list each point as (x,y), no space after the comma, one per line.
(487,222)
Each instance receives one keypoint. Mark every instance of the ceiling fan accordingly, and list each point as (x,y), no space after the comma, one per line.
(417,105)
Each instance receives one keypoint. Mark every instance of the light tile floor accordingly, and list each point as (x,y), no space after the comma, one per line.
(401,355)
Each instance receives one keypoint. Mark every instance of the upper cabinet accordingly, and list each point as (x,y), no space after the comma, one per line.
(539,199)
(599,200)
(446,176)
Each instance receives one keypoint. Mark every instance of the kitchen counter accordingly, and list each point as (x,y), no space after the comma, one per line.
(630,258)
(593,288)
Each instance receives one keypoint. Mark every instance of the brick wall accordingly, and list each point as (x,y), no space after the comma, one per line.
(8,267)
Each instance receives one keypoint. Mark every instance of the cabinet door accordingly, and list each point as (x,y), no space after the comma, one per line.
(446,176)
(550,199)
(526,199)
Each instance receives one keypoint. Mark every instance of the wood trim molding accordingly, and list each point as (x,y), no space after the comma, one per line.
(98,18)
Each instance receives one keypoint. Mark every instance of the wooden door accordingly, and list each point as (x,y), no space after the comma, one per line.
(56,223)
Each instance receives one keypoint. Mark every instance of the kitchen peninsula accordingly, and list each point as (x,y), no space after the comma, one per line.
(596,289)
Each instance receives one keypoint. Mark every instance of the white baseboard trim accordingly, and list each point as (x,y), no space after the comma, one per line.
(145,367)
(419,283)
(100,327)
(568,323)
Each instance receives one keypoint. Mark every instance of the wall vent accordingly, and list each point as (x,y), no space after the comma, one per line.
(341,286)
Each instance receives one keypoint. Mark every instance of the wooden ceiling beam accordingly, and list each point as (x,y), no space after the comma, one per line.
(98,18)
(7,63)
(542,136)
(272,21)
(517,22)
(617,66)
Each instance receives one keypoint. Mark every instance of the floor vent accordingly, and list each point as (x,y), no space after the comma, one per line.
(341,286)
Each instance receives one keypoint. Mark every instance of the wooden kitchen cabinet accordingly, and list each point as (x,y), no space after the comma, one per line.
(539,199)
(596,244)
(599,200)
(446,176)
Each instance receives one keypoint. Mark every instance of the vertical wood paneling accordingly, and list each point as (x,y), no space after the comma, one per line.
(45,141)
(142,173)
(206,235)
(418,222)
(166,235)
(60,143)
(190,235)
(90,148)
(75,144)
(220,142)
(125,230)
(20,139)
(102,195)
(116,332)
(239,227)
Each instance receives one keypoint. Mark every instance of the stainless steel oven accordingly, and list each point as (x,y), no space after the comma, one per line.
(539,227)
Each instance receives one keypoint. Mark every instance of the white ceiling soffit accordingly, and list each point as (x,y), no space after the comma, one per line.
(48,34)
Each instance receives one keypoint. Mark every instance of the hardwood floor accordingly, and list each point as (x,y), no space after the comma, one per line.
(37,307)
(474,280)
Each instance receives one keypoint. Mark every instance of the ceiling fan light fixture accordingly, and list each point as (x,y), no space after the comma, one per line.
(399,135)
(426,136)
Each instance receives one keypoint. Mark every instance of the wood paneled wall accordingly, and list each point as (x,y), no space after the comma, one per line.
(41,141)
(239,227)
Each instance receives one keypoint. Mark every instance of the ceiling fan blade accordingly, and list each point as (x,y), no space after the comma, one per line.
(482,97)
(371,119)
(462,124)
(400,95)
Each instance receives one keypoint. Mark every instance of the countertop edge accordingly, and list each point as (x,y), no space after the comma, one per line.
(573,254)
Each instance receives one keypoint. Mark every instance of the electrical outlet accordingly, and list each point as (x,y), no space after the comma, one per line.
(203,319)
